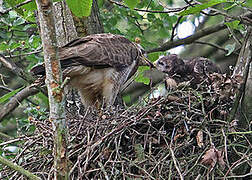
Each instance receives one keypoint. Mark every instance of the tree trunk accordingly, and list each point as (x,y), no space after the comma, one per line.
(65,29)
(54,85)
(244,69)
(242,107)
(91,24)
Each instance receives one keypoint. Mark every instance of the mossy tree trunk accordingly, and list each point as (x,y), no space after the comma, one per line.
(54,85)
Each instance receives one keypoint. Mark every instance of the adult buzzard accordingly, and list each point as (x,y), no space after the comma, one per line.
(98,65)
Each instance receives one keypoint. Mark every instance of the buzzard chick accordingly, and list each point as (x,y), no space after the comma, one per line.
(98,65)
(195,70)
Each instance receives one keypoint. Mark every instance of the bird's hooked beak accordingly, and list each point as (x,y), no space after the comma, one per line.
(144,61)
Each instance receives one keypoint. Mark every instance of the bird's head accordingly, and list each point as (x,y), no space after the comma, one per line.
(170,64)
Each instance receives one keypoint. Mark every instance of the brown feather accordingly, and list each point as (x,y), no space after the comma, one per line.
(195,70)
(98,65)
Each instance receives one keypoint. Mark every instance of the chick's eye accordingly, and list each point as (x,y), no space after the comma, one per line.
(160,63)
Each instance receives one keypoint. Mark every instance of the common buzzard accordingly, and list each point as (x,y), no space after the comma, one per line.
(195,70)
(98,65)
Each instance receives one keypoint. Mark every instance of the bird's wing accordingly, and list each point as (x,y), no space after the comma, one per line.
(99,51)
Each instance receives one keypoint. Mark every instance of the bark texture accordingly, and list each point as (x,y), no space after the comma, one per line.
(244,69)
(91,24)
(64,24)
(54,82)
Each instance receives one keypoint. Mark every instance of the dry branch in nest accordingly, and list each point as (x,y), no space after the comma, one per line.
(182,135)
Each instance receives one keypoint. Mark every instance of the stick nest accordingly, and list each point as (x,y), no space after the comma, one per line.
(186,134)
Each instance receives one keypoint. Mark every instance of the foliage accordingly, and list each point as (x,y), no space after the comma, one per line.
(20,39)
(80,8)
(152,28)
(131,4)
(153,25)
(200,7)
(9,95)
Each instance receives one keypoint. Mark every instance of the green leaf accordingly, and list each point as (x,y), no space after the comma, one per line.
(44,99)
(248,3)
(141,78)
(3,46)
(8,95)
(100,3)
(31,6)
(230,7)
(233,24)
(139,150)
(151,17)
(200,7)
(80,8)
(13,14)
(154,56)
(14,45)
(230,48)
(127,99)
(131,3)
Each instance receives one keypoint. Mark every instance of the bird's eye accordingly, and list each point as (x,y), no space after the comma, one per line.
(160,63)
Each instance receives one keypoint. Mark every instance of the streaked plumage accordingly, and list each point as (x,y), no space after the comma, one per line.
(98,65)
(195,70)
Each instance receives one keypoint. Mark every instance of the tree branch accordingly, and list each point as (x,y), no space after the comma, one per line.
(15,69)
(242,69)
(213,45)
(170,10)
(9,64)
(174,28)
(204,32)
(17,99)
(18,168)
(243,18)
(15,7)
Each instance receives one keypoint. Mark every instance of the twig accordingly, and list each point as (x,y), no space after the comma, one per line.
(25,54)
(5,136)
(201,33)
(175,163)
(18,71)
(16,100)
(170,10)
(15,7)
(213,45)
(242,18)
(18,169)
(13,140)
(174,28)
(240,176)
(241,133)
(232,34)
(225,145)
(233,166)
(6,88)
